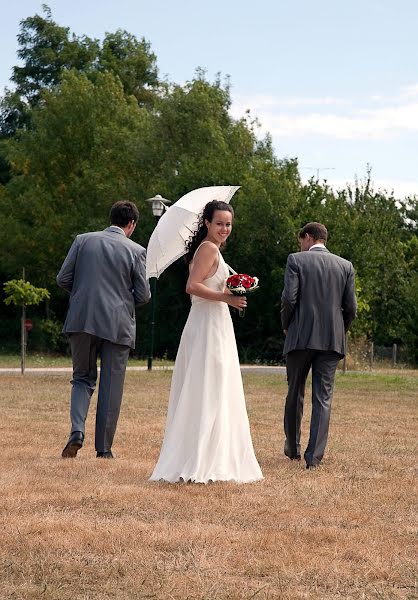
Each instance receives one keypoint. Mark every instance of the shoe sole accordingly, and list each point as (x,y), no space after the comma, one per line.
(70,450)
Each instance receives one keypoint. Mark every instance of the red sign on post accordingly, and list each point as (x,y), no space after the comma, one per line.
(28,324)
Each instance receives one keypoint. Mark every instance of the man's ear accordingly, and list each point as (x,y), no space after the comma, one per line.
(131,228)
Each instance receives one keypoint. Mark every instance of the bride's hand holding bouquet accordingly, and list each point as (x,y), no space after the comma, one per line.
(240,285)
(238,302)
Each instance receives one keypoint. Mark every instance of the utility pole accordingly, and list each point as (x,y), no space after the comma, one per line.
(158,206)
(318,169)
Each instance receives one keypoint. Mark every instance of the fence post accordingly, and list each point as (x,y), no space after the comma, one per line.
(23,336)
(394,352)
(371,354)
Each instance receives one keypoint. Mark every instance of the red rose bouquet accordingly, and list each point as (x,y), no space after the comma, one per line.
(240,285)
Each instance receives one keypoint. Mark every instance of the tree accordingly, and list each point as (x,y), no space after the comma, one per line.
(374,230)
(22,293)
(263,236)
(196,143)
(46,50)
(133,62)
(410,335)
(89,122)
(82,153)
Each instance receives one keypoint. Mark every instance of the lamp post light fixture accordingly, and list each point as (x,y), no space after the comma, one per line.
(158,206)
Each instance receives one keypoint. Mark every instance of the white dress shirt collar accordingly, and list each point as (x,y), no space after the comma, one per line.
(317,246)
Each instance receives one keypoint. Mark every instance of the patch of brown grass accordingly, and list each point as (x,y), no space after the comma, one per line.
(89,529)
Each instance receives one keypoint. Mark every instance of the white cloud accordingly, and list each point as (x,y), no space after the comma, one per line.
(373,118)
(400,115)
(260,101)
(409,90)
(366,124)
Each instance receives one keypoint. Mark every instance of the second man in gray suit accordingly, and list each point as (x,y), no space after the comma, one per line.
(318,306)
(104,272)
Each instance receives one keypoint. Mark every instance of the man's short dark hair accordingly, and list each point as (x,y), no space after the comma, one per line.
(123,212)
(316,230)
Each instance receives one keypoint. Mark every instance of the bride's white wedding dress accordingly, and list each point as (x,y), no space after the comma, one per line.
(207,435)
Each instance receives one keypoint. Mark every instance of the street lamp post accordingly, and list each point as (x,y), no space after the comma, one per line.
(158,206)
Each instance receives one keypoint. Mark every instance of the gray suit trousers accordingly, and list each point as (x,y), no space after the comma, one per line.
(298,363)
(85,349)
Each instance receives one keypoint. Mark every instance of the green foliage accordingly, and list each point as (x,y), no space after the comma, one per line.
(133,62)
(195,142)
(369,228)
(89,123)
(22,293)
(47,51)
(51,336)
(83,152)
(361,326)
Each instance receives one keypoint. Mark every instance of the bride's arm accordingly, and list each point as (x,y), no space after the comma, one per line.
(204,261)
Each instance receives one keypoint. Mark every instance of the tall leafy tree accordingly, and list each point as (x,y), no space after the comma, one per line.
(89,122)
(133,62)
(47,50)
(197,143)
(82,153)
(264,235)
(369,228)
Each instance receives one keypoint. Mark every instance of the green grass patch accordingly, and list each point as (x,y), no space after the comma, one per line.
(38,360)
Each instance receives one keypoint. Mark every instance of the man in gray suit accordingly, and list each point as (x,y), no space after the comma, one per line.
(318,306)
(104,272)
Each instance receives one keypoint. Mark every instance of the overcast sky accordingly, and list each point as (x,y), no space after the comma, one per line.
(335,83)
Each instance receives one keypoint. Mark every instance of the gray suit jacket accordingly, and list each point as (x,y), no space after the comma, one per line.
(318,301)
(104,271)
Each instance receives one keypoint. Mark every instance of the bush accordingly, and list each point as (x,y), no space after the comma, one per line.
(50,338)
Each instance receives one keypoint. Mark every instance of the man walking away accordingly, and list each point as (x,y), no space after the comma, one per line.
(318,306)
(104,272)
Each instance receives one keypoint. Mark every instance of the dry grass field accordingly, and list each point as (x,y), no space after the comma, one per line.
(88,529)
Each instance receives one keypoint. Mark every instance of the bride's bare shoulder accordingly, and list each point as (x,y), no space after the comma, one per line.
(206,249)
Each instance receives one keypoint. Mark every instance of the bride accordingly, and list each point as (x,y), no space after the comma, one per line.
(207,435)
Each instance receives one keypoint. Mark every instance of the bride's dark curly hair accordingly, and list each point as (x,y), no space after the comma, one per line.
(195,240)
